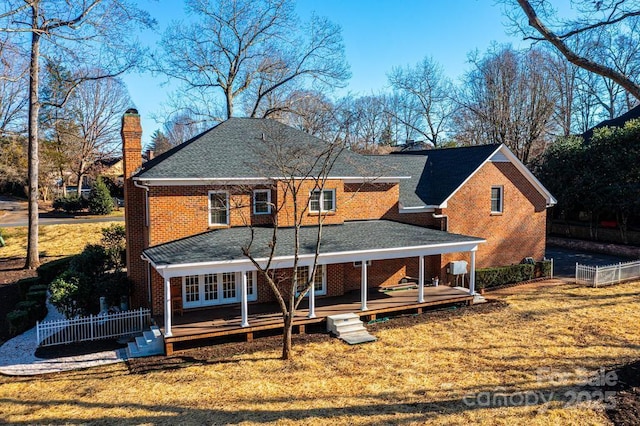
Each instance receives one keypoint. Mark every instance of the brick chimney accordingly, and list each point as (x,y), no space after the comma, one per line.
(134,207)
(131,142)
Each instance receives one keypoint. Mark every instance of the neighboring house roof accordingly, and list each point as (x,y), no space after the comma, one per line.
(614,122)
(446,170)
(358,240)
(247,148)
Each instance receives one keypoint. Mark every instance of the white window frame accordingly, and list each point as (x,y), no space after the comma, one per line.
(252,290)
(262,191)
(321,200)
(323,289)
(500,199)
(226,193)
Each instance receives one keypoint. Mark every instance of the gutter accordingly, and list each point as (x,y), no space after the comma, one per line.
(446,220)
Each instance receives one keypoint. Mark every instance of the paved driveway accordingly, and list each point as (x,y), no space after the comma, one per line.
(564,260)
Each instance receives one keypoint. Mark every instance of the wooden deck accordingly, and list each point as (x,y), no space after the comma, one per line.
(226,321)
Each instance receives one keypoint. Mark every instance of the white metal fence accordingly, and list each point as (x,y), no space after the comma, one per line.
(605,275)
(93,327)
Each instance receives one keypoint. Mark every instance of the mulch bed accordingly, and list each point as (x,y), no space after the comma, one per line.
(625,405)
(10,272)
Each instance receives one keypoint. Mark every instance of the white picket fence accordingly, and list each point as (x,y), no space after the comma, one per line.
(605,275)
(93,327)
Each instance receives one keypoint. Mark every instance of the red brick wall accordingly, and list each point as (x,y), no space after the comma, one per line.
(518,232)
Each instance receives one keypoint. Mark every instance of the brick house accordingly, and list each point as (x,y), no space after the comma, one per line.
(190,211)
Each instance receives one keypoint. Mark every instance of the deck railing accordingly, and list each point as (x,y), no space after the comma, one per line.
(93,327)
(606,275)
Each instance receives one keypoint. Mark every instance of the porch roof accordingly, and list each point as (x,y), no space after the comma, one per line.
(351,241)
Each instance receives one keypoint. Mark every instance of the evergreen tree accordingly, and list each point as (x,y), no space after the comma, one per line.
(100,201)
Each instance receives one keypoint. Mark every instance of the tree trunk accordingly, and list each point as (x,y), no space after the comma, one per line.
(33,260)
(286,335)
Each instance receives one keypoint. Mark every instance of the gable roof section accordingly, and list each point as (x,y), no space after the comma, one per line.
(245,149)
(447,170)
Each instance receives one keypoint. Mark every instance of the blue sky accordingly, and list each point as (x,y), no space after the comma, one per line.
(378,35)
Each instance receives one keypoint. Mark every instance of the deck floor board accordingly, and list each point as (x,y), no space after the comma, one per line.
(226,320)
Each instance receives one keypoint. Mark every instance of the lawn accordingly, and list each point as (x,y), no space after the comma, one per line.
(535,341)
(54,240)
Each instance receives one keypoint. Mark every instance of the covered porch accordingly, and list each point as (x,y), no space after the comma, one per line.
(228,321)
(218,254)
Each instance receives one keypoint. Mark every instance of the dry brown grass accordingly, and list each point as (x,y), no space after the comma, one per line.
(415,374)
(54,240)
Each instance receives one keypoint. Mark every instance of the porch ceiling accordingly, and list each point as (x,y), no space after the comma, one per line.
(377,239)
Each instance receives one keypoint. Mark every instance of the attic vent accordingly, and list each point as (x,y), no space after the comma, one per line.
(499,157)
(263,137)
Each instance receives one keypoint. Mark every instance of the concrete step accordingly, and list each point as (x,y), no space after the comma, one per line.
(334,321)
(351,328)
(358,338)
(150,343)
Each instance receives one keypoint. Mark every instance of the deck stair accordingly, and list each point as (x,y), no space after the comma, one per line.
(349,328)
(150,343)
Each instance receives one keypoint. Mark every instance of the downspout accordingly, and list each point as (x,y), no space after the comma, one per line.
(146,222)
(446,220)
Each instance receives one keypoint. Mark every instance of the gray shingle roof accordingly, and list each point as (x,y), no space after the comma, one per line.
(254,148)
(441,173)
(225,244)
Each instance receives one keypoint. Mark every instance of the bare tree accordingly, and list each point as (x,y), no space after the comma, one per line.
(251,50)
(424,93)
(13,84)
(91,118)
(301,168)
(593,16)
(91,35)
(508,98)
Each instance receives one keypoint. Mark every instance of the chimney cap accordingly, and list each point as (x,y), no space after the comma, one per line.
(131,111)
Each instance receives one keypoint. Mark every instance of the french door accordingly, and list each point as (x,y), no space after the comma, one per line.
(216,289)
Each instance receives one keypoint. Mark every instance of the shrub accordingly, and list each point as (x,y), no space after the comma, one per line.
(100,201)
(25,284)
(113,287)
(92,262)
(492,277)
(66,292)
(542,269)
(50,270)
(38,296)
(69,203)
(18,321)
(113,241)
(36,310)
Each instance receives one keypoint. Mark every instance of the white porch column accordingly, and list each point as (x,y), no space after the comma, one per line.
(363,287)
(421,279)
(472,273)
(312,298)
(167,307)
(243,301)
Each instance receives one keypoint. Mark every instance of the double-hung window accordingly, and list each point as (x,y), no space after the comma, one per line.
(218,208)
(322,200)
(497,199)
(262,201)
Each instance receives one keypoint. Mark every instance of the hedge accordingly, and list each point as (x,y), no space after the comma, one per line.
(50,270)
(25,284)
(18,321)
(36,310)
(493,277)
(38,296)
